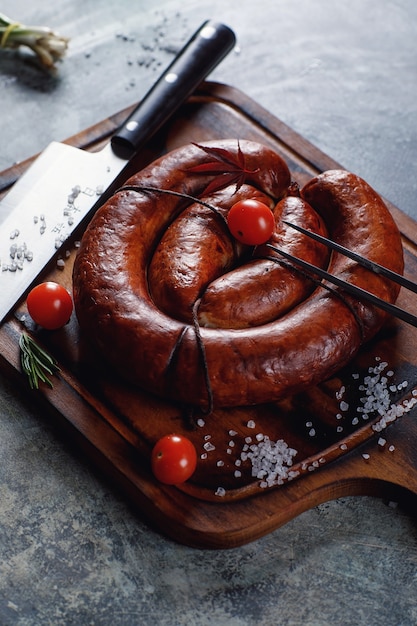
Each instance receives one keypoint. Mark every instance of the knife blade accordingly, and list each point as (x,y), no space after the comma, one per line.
(65,185)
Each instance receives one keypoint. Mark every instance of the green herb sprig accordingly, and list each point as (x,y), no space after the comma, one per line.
(48,46)
(37,364)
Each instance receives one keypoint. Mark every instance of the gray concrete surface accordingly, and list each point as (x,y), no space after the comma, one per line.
(344,75)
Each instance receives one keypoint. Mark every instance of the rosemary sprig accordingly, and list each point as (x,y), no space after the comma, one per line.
(37,364)
(48,46)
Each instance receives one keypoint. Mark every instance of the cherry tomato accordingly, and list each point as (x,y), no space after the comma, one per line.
(49,305)
(251,222)
(174,459)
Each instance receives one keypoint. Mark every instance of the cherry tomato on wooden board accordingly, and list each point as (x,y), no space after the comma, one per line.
(174,459)
(251,222)
(49,305)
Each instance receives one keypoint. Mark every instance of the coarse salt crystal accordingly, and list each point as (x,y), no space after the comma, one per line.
(251,424)
(340,393)
(220,491)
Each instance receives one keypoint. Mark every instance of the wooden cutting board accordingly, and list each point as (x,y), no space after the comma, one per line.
(338,451)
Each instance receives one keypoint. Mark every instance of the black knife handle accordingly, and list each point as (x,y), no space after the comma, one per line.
(203,52)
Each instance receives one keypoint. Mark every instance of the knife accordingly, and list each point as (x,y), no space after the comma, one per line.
(65,184)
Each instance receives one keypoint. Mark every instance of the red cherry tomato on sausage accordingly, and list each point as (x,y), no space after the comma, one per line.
(174,459)
(49,305)
(251,222)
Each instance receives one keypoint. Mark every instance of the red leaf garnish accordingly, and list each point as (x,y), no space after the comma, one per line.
(228,168)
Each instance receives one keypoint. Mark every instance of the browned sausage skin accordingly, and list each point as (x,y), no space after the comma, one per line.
(261,290)
(196,249)
(241,366)
(357,217)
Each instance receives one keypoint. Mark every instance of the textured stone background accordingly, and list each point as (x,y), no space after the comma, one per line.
(344,75)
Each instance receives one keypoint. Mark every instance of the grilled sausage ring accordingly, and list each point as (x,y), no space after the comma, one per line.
(189,363)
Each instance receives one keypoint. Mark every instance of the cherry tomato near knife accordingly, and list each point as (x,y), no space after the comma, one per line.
(251,222)
(49,305)
(173,459)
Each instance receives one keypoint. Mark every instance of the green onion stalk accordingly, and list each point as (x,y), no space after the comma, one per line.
(48,46)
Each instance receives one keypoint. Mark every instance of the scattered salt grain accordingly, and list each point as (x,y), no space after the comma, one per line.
(391,448)
(201,422)
(382,442)
(251,424)
(220,463)
(220,491)
(366,456)
(209,447)
(340,393)
(232,433)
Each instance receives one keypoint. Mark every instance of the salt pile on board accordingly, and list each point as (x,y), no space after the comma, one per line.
(270,460)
